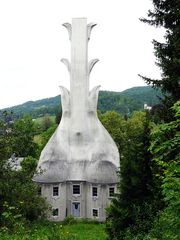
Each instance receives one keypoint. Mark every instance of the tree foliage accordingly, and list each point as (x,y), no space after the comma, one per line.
(46,122)
(23,144)
(166,14)
(19,198)
(115,124)
(133,208)
(165,147)
(45,136)
(125,102)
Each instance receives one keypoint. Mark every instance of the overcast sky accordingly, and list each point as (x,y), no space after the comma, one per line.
(32,42)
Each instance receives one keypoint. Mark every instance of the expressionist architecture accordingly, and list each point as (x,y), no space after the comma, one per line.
(79,163)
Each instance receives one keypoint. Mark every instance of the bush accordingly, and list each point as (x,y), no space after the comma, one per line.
(70,220)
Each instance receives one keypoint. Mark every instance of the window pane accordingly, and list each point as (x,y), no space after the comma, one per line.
(55,191)
(55,212)
(95,213)
(76,189)
(111,192)
(94,191)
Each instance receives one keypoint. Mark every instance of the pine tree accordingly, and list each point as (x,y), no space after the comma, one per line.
(166,14)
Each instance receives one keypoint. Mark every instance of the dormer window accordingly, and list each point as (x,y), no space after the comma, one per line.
(55,191)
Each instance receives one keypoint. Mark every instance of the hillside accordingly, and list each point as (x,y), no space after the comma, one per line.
(125,102)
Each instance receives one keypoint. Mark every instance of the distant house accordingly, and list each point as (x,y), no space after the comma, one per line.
(79,164)
(15,162)
(146,107)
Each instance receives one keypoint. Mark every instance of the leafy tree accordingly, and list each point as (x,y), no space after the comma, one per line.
(166,152)
(46,122)
(23,144)
(18,194)
(166,14)
(115,125)
(6,131)
(133,208)
(58,117)
(45,136)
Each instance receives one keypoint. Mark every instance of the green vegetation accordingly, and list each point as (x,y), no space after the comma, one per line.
(133,208)
(47,120)
(45,230)
(149,177)
(143,208)
(125,102)
(166,14)
(87,231)
(19,199)
(165,147)
(147,206)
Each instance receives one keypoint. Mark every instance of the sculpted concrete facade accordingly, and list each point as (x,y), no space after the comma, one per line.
(79,163)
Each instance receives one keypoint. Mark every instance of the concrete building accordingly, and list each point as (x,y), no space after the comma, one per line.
(78,166)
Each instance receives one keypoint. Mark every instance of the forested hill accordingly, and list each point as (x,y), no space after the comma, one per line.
(123,102)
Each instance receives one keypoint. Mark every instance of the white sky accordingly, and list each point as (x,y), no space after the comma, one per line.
(32,42)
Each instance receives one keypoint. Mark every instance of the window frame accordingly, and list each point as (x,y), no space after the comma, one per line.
(76,194)
(109,193)
(55,209)
(95,196)
(55,186)
(96,209)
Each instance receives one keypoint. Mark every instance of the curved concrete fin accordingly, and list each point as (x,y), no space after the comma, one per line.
(93,98)
(67,63)
(69,28)
(65,99)
(91,64)
(89,29)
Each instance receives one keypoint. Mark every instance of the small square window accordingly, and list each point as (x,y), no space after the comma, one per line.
(55,212)
(55,191)
(95,212)
(111,192)
(76,189)
(94,191)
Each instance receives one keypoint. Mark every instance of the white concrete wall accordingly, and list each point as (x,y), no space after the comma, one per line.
(87,202)
(55,201)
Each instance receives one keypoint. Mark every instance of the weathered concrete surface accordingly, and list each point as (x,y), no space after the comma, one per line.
(81,148)
(63,202)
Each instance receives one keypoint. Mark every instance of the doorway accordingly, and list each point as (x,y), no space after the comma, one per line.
(76,209)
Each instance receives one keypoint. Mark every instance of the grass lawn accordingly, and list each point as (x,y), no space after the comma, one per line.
(57,231)
(87,231)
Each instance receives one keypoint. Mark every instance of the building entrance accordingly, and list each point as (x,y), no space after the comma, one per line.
(76,209)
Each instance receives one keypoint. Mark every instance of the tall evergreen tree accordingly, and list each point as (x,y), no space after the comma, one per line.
(132,210)
(166,14)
